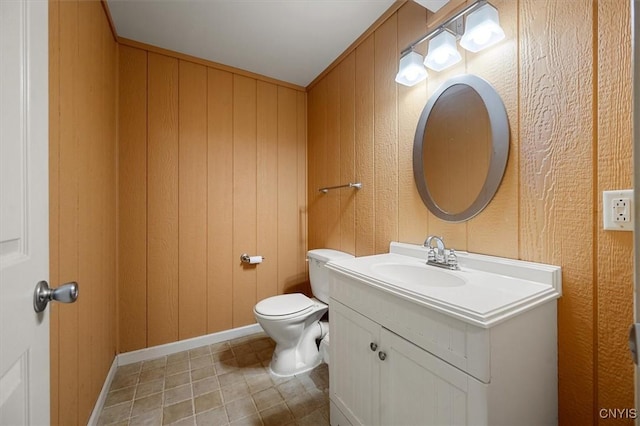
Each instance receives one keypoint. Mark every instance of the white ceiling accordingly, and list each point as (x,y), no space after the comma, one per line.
(289,40)
(432,5)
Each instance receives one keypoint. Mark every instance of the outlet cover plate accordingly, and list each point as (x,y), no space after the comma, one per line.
(617,210)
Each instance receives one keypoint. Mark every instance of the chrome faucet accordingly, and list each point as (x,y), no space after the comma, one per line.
(439,255)
(436,255)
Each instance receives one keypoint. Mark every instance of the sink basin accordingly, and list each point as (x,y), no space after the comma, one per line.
(421,275)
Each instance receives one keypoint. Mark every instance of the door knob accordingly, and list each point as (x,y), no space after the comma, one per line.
(373,346)
(67,293)
(382,356)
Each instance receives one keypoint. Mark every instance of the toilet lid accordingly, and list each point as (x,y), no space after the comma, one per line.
(284,304)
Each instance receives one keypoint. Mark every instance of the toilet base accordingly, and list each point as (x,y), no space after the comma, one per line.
(296,359)
(300,370)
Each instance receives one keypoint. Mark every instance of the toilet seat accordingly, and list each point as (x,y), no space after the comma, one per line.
(284,306)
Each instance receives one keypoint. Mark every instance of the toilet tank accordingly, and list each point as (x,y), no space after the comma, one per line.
(318,273)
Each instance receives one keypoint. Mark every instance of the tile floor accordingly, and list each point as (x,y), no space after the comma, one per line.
(225,383)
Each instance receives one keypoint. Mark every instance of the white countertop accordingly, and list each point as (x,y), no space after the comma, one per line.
(494,288)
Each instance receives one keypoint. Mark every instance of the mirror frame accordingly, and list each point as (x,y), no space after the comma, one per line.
(499,154)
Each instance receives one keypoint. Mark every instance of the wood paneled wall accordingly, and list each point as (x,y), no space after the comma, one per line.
(564,75)
(212,164)
(613,290)
(82,169)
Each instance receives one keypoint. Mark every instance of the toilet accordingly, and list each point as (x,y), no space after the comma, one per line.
(293,320)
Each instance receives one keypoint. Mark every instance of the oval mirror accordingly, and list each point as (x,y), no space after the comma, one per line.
(461,147)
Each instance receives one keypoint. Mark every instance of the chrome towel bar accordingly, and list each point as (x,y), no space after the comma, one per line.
(348,185)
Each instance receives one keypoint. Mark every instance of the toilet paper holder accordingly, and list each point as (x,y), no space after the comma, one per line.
(245,258)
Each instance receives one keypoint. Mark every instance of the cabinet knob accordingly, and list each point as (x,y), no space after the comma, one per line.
(373,346)
(382,356)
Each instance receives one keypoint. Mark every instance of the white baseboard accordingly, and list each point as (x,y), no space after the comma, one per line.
(163,350)
(97,409)
(185,345)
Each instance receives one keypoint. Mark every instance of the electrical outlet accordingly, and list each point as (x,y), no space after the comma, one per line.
(621,210)
(617,210)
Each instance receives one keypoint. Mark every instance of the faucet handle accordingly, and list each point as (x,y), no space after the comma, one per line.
(431,255)
(452,259)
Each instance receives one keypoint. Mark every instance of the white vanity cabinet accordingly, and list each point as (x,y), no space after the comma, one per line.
(399,359)
(380,378)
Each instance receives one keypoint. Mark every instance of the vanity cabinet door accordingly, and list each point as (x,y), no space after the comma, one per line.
(355,365)
(418,388)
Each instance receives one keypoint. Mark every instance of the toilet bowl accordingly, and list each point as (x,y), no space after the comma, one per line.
(293,320)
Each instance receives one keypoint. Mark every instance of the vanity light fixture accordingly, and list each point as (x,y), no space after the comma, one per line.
(482,30)
(411,70)
(442,52)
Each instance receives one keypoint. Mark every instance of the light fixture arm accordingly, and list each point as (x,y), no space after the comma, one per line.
(431,34)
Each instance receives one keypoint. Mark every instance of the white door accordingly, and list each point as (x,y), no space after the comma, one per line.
(418,388)
(24,211)
(355,368)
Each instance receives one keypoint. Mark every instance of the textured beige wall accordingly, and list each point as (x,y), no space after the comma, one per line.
(563,73)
